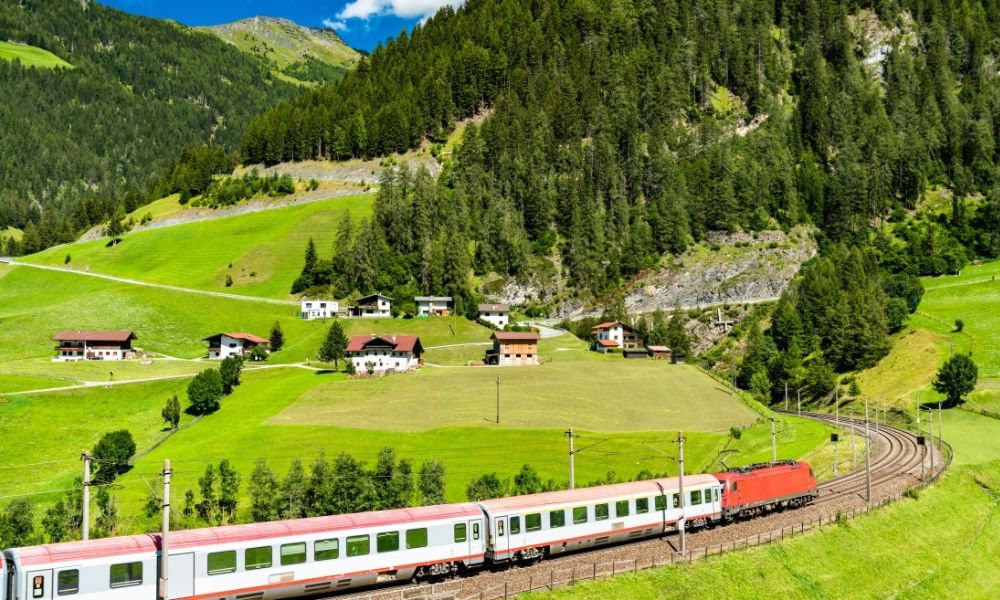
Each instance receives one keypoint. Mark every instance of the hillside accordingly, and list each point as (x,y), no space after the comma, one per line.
(297,53)
(30,56)
(75,143)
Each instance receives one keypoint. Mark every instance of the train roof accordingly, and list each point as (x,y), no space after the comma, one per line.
(762,469)
(233,534)
(601,492)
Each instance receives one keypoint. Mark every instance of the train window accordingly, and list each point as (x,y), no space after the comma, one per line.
(733,487)
(579,515)
(38,586)
(257,558)
(515,525)
(326,549)
(621,508)
(475,531)
(220,563)
(641,505)
(600,512)
(416,538)
(715,494)
(695,497)
(660,503)
(126,574)
(676,501)
(293,554)
(67,583)
(387,541)
(358,545)
(533,522)
(500,527)
(460,535)
(557,518)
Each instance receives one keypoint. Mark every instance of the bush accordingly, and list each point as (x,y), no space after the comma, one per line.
(205,392)
(959,325)
(229,372)
(112,454)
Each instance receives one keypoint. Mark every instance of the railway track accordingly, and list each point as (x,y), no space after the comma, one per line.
(896,465)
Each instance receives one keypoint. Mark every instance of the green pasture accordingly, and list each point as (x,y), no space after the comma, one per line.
(18,383)
(945,544)
(31,56)
(261,251)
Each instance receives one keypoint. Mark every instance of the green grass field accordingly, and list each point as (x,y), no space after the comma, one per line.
(264,248)
(944,545)
(30,56)
(19,383)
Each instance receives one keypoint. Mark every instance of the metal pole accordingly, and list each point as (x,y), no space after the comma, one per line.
(680,488)
(165,530)
(572,473)
(940,434)
(854,453)
(930,430)
(85,521)
(923,458)
(836,444)
(498,399)
(868,458)
(774,445)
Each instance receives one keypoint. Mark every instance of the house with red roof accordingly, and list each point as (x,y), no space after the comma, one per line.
(612,335)
(224,345)
(94,345)
(384,354)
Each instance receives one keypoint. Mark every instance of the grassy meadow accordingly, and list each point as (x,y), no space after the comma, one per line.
(31,56)
(261,251)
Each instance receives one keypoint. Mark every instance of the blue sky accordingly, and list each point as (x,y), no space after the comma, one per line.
(362,23)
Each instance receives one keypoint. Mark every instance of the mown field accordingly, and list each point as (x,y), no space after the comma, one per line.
(31,56)
(261,251)
(946,544)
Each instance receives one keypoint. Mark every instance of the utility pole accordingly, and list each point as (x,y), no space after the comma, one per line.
(572,471)
(498,399)
(774,444)
(786,395)
(680,488)
(854,453)
(868,458)
(85,522)
(930,430)
(923,449)
(940,433)
(836,442)
(165,531)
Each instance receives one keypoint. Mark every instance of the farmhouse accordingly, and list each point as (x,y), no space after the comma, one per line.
(433,306)
(512,348)
(372,306)
(497,315)
(223,345)
(384,354)
(94,345)
(318,309)
(612,334)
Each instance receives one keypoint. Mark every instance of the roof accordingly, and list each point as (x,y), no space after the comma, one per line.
(607,343)
(610,324)
(494,307)
(658,348)
(362,299)
(193,538)
(432,299)
(399,343)
(515,336)
(94,336)
(247,337)
(652,486)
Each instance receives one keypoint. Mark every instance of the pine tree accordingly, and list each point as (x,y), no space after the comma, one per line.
(229,487)
(431,483)
(229,373)
(171,412)
(263,490)
(677,336)
(277,338)
(293,492)
(334,345)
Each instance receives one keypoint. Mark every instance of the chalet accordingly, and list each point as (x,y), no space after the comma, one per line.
(224,345)
(318,309)
(94,345)
(497,315)
(513,348)
(384,354)
(433,306)
(612,334)
(660,352)
(372,306)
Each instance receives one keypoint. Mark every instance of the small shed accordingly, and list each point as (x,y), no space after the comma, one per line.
(660,352)
(635,353)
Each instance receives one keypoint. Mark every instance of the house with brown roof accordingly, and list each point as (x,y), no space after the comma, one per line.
(224,345)
(372,306)
(384,354)
(94,345)
(660,352)
(513,349)
(497,315)
(613,334)
(433,306)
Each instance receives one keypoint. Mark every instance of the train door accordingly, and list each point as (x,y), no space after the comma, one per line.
(475,537)
(39,585)
(501,543)
(181,575)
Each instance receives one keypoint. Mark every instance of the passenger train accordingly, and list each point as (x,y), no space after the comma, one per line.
(311,557)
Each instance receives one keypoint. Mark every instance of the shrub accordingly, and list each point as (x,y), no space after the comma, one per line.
(205,392)
(959,325)
(112,454)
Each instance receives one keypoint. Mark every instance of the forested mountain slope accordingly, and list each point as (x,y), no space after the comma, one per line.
(75,143)
(297,53)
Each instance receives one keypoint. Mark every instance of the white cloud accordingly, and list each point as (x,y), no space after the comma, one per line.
(405,9)
(335,25)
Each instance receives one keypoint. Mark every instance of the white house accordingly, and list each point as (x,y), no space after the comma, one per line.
(372,306)
(384,353)
(613,334)
(94,345)
(318,309)
(433,306)
(224,345)
(497,315)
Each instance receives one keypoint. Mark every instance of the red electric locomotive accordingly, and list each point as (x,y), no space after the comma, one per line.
(755,489)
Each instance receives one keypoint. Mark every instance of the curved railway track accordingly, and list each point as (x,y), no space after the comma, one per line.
(896,465)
